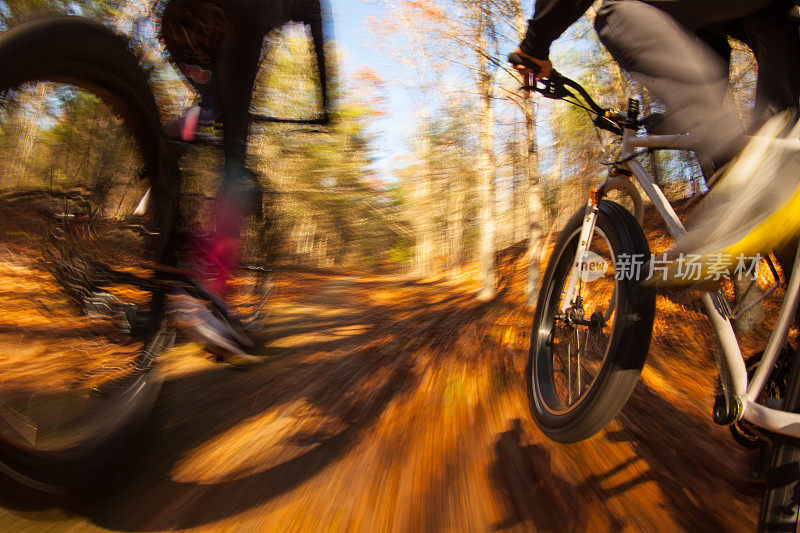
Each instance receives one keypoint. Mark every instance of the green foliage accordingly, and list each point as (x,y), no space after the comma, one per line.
(327,203)
(330,203)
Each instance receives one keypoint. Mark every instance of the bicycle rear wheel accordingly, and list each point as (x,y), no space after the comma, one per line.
(586,355)
(80,314)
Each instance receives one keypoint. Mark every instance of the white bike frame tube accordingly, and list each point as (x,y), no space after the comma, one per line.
(778,336)
(775,420)
(673,142)
(656,196)
(144,203)
(722,325)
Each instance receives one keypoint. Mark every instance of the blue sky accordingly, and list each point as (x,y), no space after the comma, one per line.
(359,48)
(354,39)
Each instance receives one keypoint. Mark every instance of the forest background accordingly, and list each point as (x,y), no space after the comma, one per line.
(483,166)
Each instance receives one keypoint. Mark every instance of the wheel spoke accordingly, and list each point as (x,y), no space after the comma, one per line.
(572,368)
(76,310)
(584,322)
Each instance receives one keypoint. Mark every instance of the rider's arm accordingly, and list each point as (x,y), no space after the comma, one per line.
(550,19)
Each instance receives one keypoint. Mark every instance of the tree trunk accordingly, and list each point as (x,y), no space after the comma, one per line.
(424,230)
(427,207)
(455,225)
(486,162)
(537,218)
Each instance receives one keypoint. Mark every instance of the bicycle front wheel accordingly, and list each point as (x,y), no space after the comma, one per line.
(586,354)
(80,244)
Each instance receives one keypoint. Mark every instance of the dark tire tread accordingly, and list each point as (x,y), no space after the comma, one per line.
(87,54)
(630,337)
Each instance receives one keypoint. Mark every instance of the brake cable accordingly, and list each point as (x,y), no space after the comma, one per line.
(555,88)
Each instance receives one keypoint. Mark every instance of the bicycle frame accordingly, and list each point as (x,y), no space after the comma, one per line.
(732,365)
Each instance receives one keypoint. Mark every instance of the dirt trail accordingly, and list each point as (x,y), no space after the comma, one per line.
(387,405)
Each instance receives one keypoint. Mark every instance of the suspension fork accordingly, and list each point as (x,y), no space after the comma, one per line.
(587,229)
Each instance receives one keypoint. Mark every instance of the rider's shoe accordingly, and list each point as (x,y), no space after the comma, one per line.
(211,259)
(754,209)
(194,319)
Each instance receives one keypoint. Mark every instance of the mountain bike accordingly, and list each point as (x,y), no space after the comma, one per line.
(594,319)
(91,229)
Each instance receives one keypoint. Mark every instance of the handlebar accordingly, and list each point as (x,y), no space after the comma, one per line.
(557,87)
(516,59)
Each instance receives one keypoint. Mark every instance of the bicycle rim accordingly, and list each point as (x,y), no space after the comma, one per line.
(80,241)
(575,340)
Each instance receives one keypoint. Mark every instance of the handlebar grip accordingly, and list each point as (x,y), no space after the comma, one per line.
(516,59)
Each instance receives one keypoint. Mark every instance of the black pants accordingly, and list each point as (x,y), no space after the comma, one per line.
(225,37)
(249,21)
(676,48)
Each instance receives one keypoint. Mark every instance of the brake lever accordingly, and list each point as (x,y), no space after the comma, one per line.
(551,90)
(604,123)
(554,87)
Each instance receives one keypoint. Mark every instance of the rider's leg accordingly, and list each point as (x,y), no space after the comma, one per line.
(237,70)
(756,205)
(778,82)
(676,66)
(775,43)
(657,42)
(216,253)
(693,14)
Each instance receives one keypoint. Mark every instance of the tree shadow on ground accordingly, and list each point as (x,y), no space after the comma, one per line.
(349,382)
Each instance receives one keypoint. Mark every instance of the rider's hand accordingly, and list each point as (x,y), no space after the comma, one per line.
(529,76)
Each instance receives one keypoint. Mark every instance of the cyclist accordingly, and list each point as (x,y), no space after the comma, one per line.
(678,50)
(217,46)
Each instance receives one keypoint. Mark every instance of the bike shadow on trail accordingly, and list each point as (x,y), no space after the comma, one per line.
(695,465)
(685,465)
(197,408)
(533,492)
(350,385)
(537,497)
